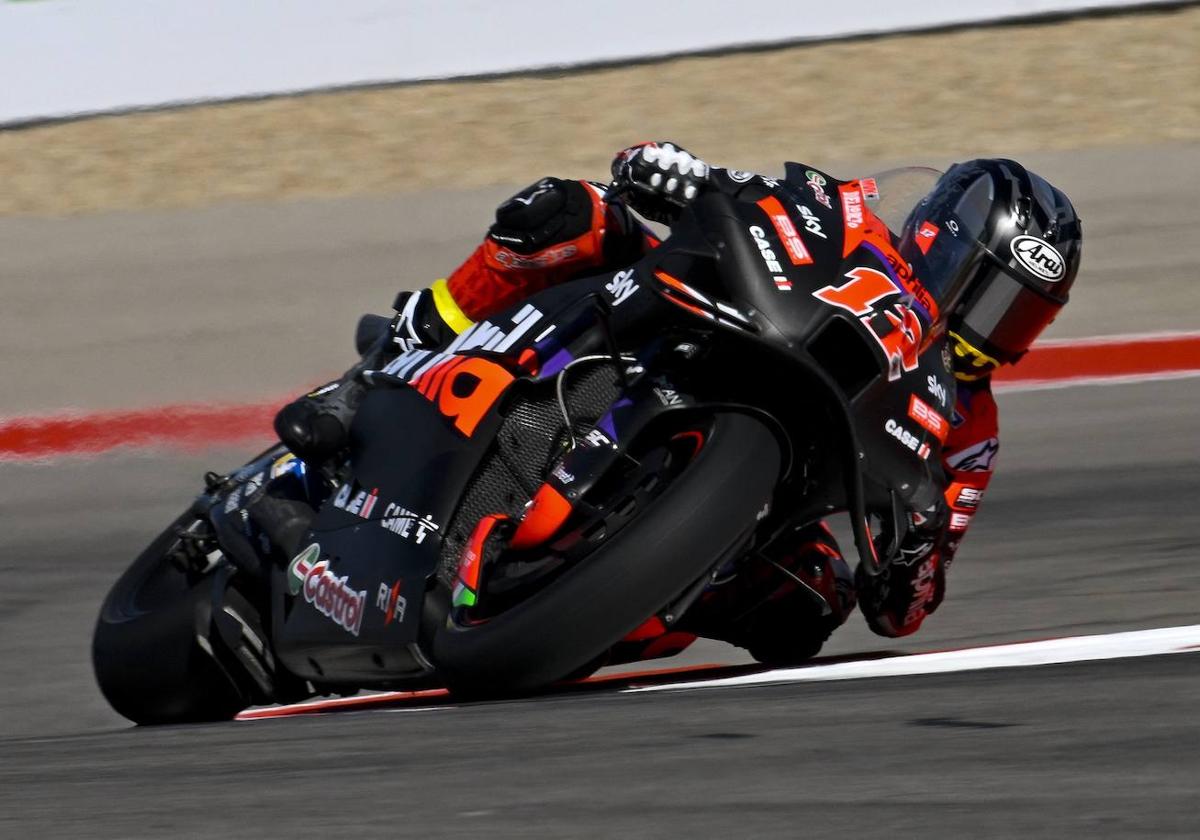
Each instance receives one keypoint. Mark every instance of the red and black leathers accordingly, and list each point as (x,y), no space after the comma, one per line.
(547,233)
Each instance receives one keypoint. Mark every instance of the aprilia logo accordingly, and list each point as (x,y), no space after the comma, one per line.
(464,388)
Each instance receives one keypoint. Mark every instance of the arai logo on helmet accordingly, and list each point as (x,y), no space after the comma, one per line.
(1039,258)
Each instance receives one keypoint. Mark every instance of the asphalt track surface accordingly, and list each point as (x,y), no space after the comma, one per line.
(1090,527)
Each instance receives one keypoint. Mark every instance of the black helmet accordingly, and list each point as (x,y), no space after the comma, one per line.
(998,247)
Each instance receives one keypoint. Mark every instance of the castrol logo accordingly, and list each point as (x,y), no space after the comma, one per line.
(1039,258)
(330,594)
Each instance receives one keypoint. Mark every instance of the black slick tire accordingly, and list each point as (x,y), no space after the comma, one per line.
(708,510)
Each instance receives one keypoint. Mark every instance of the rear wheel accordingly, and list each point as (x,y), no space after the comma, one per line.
(704,511)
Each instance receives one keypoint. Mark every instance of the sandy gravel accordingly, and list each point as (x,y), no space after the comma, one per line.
(1072,84)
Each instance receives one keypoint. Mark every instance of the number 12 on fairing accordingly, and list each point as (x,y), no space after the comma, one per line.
(899,332)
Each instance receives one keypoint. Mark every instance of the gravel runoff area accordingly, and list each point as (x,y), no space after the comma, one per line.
(1083,82)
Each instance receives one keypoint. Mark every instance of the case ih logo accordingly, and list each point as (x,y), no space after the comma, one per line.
(907,438)
(328,593)
(1039,258)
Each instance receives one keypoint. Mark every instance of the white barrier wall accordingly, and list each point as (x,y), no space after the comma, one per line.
(62,57)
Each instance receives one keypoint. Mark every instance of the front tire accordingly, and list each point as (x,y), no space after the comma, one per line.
(707,512)
(153,650)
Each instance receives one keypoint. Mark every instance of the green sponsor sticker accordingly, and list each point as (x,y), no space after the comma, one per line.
(300,566)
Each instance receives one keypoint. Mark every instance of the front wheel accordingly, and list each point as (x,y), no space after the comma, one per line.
(708,510)
(167,642)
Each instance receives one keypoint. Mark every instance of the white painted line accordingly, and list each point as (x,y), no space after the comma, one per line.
(1075,381)
(1023,654)
(1117,338)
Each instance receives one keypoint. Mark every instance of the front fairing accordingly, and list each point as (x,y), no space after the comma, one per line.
(839,304)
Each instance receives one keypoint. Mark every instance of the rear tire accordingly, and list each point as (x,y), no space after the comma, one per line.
(704,514)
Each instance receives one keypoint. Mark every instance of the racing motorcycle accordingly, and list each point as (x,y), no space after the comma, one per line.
(512,506)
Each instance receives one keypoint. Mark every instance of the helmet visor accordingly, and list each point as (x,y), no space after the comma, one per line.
(942,237)
(1005,313)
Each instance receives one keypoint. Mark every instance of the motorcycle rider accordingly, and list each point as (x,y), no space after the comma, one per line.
(999,244)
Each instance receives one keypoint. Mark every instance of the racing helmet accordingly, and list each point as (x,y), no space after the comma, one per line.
(998,247)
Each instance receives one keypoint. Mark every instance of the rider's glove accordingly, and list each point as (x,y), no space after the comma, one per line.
(417,324)
(896,601)
(659,179)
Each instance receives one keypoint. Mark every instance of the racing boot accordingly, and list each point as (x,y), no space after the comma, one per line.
(783,604)
(316,427)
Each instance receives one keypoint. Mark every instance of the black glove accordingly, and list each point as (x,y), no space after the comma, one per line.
(548,213)
(658,179)
(896,601)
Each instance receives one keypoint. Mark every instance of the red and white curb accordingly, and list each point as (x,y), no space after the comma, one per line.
(1068,363)
(1126,645)
(1106,360)
(439,698)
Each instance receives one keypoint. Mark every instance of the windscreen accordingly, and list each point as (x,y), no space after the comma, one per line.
(897,192)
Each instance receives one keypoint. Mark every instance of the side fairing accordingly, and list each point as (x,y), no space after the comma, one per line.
(349,606)
(902,425)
